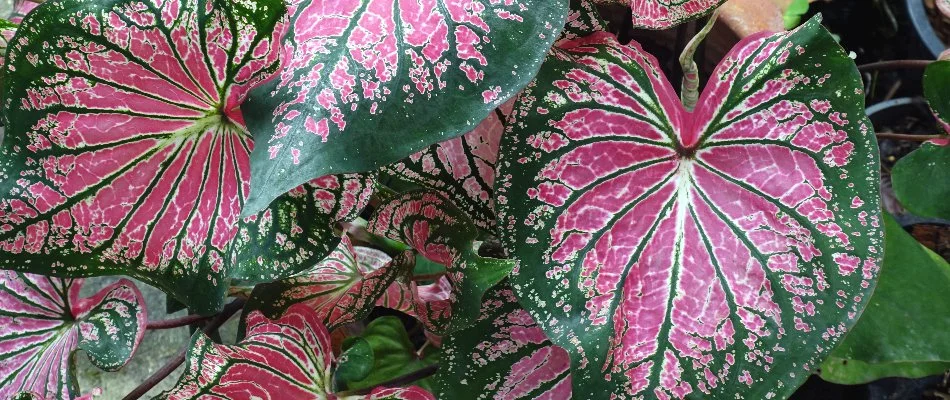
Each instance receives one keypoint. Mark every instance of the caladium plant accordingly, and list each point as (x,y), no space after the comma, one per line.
(43,321)
(390,77)
(710,254)
(288,358)
(663,14)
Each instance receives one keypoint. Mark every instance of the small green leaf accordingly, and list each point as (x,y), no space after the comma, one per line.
(936,82)
(922,180)
(903,331)
(394,353)
(357,360)
(794,12)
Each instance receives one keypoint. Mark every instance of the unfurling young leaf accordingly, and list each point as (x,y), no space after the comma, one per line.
(341,289)
(505,355)
(439,231)
(367,83)
(712,254)
(125,150)
(896,335)
(43,321)
(289,358)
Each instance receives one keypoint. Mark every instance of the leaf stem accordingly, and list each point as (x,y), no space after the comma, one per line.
(911,138)
(411,377)
(172,364)
(176,322)
(894,64)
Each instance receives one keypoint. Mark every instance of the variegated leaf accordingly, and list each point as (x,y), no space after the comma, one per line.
(289,358)
(341,289)
(439,231)
(296,231)
(664,14)
(23,7)
(716,254)
(463,169)
(505,355)
(43,321)
(391,77)
(126,151)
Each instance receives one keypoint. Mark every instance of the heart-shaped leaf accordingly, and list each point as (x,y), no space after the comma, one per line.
(439,231)
(289,358)
(936,82)
(341,289)
(43,321)
(463,169)
(664,14)
(920,180)
(896,334)
(505,355)
(712,254)
(395,355)
(125,150)
(367,83)
(296,231)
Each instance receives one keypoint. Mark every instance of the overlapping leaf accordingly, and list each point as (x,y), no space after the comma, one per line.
(896,336)
(43,321)
(931,162)
(663,14)
(714,254)
(289,358)
(463,169)
(125,148)
(369,82)
(395,354)
(341,289)
(439,231)
(505,355)
(296,231)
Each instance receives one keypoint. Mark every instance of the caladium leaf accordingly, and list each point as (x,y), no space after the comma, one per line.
(664,14)
(357,360)
(341,288)
(125,150)
(936,82)
(290,358)
(296,231)
(395,355)
(389,77)
(23,7)
(43,321)
(439,231)
(505,355)
(920,180)
(895,336)
(463,169)
(712,254)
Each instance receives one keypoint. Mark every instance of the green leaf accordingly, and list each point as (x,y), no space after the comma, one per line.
(125,149)
(366,84)
(442,233)
(43,321)
(794,13)
(712,254)
(288,358)
(357,360)
(342,288)
(296,231)
(394,353)
(921,180)
(506,355)
(936,82)
(901,334)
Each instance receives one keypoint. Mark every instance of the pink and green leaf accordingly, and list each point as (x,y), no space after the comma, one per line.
(297,230)
(341,289)
(390,77)
(505,355)
(125,149)
(712,254)
(463,169)
(665,14)
(288,358)
(438,230)
(43,321)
